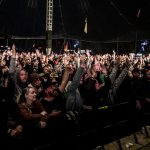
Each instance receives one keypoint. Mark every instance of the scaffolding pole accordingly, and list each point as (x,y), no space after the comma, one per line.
(49,26)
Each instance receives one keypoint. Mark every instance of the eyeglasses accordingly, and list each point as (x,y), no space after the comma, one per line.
(54,84)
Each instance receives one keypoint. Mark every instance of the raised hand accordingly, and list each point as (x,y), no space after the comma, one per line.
(83,61)
(69,69)
(87,53)
(13,50)
(37,53)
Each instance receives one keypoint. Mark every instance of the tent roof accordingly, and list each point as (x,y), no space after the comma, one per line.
(107,19)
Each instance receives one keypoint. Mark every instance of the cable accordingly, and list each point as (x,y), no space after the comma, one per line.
(119,12)
(84,6)
(63,25)
(61,15)
(32,3)
(1,1)
(87,5)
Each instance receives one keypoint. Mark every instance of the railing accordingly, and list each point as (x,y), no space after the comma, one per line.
(101,127)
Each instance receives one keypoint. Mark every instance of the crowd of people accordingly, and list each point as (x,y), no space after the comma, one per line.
(44,94)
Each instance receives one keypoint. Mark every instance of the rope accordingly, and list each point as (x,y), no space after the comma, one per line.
(61,15)
(119,12)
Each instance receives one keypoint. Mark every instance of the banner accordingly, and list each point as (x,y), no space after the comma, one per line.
(138,13)
(66,46)
(85,27)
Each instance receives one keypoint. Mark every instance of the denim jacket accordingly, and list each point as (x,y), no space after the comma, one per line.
(73,98)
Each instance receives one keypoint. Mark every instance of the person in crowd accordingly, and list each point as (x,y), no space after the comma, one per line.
(33,115)
(143,95)
(105,79)
(36,81)
(53,100)
(19,77)
(74,100)
(11,128)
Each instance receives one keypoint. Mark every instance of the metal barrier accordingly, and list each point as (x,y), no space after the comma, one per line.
(100,127)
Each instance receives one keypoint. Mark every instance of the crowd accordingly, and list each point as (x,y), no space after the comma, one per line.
(44,94)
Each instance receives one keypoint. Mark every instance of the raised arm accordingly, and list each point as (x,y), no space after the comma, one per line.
(65,78)
(78,75)
(12,61)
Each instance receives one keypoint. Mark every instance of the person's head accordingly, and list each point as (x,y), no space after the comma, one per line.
(147,73)
(93,71)
(35,80)
(4,76)
(90,84)
(45,69)
(23,76)
(136,73)
(50,89)
(29,94)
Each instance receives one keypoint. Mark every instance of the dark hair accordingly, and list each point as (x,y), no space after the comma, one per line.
(144,71)
(135,70)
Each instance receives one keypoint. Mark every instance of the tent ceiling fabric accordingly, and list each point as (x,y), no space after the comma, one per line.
(107,19)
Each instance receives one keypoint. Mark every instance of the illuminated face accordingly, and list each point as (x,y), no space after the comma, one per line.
(51,90)
(23,76)
(45,70)
(31,94)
